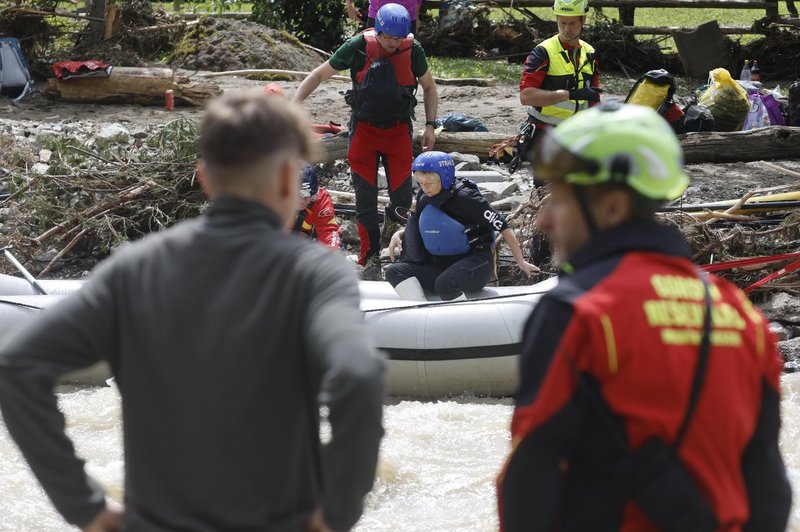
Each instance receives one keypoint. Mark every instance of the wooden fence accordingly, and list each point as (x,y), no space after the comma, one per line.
(769,6)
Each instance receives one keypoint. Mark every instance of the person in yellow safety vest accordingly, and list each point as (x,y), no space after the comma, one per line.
(560,76)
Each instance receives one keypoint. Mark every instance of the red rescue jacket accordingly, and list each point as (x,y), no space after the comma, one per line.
(319,220)
(629,318)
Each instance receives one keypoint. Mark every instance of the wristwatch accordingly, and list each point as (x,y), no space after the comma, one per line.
(430,123)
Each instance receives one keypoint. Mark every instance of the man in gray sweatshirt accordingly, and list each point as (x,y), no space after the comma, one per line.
(222,333)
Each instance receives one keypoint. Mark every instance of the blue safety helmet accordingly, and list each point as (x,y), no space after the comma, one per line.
(393,20)
(309,184)
(439,162)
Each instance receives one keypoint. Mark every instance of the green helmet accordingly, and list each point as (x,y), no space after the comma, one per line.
(614,142)
(571,8)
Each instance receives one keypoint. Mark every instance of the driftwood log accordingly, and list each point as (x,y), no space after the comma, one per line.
(299,74)
(466,82)
(764,144)
(145,86)
(475,143)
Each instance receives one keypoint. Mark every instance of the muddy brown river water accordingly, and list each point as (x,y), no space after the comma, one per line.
(437,468)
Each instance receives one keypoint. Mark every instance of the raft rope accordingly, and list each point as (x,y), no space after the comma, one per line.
(21,304)
(458,302)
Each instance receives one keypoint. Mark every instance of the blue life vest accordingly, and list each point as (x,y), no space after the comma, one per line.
(441,234)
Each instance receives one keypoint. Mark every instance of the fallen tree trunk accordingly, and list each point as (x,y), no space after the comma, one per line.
(145,86)
(297,74)
(466,82)
(474,143)
(764,144)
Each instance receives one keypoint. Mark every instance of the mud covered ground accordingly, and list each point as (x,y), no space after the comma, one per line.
(497,107)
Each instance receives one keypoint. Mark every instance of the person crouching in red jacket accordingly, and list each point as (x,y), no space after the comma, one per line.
(316,216)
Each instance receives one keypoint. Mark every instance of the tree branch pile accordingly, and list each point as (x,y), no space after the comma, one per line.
(777,52)
(715,236)
(94,198)
(474,34)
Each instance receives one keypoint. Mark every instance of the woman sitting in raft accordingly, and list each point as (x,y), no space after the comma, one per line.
(447,244)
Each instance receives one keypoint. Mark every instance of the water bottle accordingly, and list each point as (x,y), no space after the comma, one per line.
(755,72)
(746,74)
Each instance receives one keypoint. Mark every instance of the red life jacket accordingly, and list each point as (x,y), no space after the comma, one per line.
(400,59)
(383,91)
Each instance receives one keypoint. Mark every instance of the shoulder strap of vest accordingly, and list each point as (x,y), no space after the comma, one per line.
(553,46)
(702,364)
(374,48)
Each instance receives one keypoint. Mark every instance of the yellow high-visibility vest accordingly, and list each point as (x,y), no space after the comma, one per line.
(562,74)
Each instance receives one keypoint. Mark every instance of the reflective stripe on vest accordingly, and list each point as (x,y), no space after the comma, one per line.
(400,60)
(441,234)
(561,74)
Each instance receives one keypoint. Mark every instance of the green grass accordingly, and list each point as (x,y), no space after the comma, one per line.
(611,82)
(209,6)
(454,67)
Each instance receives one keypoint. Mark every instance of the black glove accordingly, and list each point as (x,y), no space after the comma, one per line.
(585,93)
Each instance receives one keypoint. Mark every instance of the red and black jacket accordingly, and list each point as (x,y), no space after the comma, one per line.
(629,318)
(318,220)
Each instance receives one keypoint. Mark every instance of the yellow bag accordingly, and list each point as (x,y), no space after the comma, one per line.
(649,94)
(654,89)
(727,101)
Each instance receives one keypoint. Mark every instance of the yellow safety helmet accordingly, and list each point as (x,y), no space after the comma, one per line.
(571,8)
(614,142)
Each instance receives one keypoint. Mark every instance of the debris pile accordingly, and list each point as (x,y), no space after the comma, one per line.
(474,34)
(221,45)
(752,240)
(618,49)
(144,33)
(777,52)
(72,194)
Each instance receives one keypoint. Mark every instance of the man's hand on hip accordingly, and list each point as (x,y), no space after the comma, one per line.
(108,520)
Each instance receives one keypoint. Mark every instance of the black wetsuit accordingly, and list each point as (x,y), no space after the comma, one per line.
(451,275)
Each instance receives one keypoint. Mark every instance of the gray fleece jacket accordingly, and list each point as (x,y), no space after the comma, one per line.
(222,333)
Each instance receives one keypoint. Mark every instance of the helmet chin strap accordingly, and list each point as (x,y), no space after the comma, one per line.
(583,203)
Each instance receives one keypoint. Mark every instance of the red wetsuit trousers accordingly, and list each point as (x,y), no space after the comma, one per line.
(368,145)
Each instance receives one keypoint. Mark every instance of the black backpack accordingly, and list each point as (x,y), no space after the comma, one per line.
(695,118)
